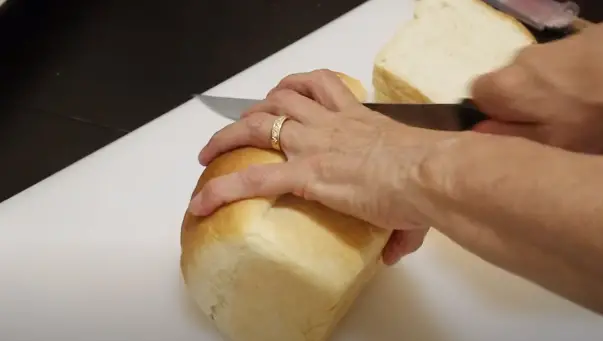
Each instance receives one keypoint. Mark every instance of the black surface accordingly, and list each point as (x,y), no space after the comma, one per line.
(121,64)
(77,74)
(37,144)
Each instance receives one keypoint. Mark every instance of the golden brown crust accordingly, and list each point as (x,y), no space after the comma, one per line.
(354,85)
(195,230)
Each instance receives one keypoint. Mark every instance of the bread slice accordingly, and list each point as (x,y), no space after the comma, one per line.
(434,57)
(276,269)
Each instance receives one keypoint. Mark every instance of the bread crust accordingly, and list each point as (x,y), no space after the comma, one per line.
(227,221)
(354,85)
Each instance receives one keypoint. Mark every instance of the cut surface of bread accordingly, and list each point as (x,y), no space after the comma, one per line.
(435,56)
(275,269)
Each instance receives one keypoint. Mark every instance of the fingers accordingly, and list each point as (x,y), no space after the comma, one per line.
(264,180)
(402,243)
(253,130)
(506,94)
(323,86)
(292,104)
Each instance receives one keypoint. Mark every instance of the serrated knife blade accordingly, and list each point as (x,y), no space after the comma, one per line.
(451,117)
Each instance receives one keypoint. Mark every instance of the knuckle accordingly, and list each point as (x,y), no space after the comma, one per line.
(320,166)
(306,188)
(254,177)
(325,74)
(215,138)
(254,125)
(281,96)
(508,80)
(253,122)
(212,190)
(304,191)
(290,78)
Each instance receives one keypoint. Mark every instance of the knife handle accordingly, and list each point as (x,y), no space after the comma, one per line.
(470,115)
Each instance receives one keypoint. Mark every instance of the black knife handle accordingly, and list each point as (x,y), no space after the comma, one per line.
(470,115)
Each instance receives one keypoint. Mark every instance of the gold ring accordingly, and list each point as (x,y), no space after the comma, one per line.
(275,135)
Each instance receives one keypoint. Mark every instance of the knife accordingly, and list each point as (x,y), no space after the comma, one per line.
(451,117)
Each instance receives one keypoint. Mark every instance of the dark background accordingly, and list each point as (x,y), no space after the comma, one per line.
(76,75)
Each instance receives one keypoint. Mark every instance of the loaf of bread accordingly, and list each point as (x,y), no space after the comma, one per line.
(434,57)
(276,269)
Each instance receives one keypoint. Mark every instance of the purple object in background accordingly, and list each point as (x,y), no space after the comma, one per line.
(542,14)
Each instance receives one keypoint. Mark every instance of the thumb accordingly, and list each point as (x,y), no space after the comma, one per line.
(504,94)
(402,243)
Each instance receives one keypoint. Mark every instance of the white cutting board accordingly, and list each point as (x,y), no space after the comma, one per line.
(92,252)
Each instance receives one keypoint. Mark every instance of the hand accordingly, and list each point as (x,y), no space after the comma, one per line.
(551,93)
(339,153)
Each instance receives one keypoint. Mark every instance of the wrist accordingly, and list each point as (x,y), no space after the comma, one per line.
(443,183)
(431,179)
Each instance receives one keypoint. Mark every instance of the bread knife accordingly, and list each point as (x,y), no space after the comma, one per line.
(451,117)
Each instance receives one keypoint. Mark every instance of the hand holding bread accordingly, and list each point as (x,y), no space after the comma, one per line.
(338,152)
(326,203)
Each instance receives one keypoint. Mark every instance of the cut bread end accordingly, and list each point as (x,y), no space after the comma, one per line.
(434,57)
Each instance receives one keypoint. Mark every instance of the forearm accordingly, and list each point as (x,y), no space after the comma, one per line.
(533,210)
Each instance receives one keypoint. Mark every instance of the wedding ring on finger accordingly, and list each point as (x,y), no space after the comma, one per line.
(275,134)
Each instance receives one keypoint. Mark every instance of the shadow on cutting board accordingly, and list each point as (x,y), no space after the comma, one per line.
(391,308)
(493,286)
(395,306)
(193,312)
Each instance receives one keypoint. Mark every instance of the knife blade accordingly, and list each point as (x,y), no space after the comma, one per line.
(451,117)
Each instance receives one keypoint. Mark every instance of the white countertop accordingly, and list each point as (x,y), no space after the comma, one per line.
(92,252)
